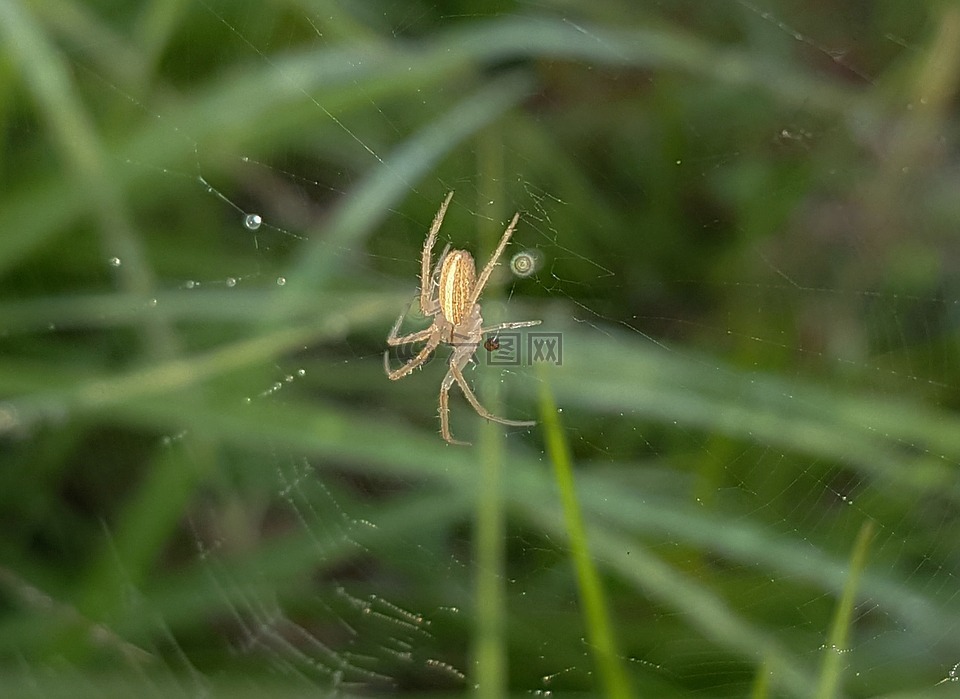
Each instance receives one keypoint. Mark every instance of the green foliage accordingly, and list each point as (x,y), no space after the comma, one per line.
(747,214)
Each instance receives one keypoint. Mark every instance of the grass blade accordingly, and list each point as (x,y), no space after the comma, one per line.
(595,612)
(831,670)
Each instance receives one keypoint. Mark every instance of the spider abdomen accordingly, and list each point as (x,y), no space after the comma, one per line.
(457,278)
(449,293)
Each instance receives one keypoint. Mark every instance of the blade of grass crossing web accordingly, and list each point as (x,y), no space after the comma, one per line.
(48,77)
(595,613)
(489,646)
(761,683)
(490,654)
(831,669)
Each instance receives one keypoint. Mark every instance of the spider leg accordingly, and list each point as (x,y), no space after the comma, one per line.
(418,336)
(431,309)
(509,326)
(488,269)
(481,411)
(421,357)
(435,277)
(426,279)
(445,409)
(431,306)
(393,339)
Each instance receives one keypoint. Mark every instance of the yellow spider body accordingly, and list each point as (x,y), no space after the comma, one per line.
(450,294)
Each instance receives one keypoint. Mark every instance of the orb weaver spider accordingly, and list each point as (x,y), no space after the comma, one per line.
(450,293)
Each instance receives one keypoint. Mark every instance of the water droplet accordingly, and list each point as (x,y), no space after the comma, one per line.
(189,284)
(231,281)
(281,281)
(252,221)
(525,263)
(114,262)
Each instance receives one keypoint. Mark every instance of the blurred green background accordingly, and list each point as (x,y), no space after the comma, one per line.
(744,480)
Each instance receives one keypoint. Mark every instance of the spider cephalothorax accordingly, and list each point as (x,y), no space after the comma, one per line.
(450,295)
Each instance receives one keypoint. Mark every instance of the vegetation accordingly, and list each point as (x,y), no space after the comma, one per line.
(744,480)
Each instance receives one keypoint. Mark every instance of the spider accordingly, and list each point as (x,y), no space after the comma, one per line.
(450,295)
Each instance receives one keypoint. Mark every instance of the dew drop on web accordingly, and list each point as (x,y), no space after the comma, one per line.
(525,263)
(252,221)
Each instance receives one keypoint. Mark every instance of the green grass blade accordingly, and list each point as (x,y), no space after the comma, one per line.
(831,670)
(490,649)
(596,615)
(46,74)
(761,682)
(490,646)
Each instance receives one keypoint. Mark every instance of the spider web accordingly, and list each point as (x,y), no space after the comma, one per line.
(361,618)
